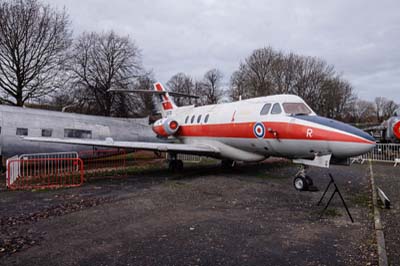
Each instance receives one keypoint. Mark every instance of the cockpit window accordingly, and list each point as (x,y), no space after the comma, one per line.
(265,109)
(276,109)
(296,109)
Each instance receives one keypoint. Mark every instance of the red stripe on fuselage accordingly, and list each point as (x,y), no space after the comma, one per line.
(283,130)
(159,130)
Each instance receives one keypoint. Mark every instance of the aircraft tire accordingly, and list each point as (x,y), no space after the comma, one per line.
(309,181)
(300,183)
(175,165)
(172,165)
(179,165)
(227,163)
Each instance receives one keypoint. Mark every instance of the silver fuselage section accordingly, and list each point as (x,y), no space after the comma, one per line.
(17,120)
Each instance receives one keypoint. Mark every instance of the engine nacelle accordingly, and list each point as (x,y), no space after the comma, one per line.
(165,127)
(396,129)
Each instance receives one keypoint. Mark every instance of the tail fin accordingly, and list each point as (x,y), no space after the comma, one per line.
(167,104)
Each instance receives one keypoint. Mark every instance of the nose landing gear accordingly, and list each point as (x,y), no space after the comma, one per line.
(302,182)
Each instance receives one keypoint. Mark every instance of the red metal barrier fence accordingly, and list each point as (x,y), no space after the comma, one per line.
(103,160)
(44,173)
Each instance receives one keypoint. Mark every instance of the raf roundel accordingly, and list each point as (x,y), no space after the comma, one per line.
(259,130)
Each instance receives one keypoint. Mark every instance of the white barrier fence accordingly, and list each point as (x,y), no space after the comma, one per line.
(382,152)
(186,157)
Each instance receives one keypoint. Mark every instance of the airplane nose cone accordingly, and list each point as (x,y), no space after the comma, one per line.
(348,141)
(361,142)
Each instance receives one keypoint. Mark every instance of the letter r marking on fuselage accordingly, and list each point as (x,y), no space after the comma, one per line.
(309,133)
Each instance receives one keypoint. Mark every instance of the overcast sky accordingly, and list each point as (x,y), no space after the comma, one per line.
(360,38)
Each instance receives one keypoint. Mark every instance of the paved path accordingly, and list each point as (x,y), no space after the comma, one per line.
(248,216)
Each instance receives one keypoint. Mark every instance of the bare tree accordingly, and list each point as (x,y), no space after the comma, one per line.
(210,87)
(145,105)
(102,62)
(257,71)
(379,106)
(181,83)
(389,108)
(34,39)
(384,108)
(237,86)
(337,98)
(363,111)
(267,71)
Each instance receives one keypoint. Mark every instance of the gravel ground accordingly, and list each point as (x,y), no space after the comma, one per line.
(387,178)
(250,215)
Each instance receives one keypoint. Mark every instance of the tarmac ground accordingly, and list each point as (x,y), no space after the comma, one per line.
(205,215)
(387,178)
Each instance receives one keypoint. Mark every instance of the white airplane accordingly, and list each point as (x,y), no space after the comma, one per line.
(248,131)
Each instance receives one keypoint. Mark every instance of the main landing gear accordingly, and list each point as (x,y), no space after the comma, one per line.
(302,182)
(228,163)
(174,164)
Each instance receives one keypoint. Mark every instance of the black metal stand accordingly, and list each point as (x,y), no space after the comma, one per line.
(333,194)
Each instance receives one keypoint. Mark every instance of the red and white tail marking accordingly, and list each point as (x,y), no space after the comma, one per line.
(166,102)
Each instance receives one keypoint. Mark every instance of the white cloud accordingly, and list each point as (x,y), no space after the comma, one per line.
(361,38)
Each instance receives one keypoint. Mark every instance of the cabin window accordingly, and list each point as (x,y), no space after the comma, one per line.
(206,119)
(22,132)
(296,108)
(276,109)
(199,119)
(77,133)
(192,120)
(187,119)
(47,132)
(265,109)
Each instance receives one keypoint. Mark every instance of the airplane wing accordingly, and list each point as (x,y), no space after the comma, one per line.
(199,149)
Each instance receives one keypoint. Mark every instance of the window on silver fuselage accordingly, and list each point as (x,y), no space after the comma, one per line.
(22,131)
(47,132)
(77,133)
(296,109)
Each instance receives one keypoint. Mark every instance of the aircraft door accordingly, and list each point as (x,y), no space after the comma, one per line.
(261,131)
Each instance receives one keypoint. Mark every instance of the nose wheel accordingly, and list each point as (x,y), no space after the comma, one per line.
(302,182)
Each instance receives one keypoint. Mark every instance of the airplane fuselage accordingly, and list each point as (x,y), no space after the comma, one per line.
(16,122)
(242,131)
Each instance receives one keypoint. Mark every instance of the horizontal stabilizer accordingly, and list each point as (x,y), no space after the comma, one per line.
(176,94)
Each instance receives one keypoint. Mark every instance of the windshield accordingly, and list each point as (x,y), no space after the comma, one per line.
(296,109)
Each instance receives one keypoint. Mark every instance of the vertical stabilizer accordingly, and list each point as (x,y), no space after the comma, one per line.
(166,103)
